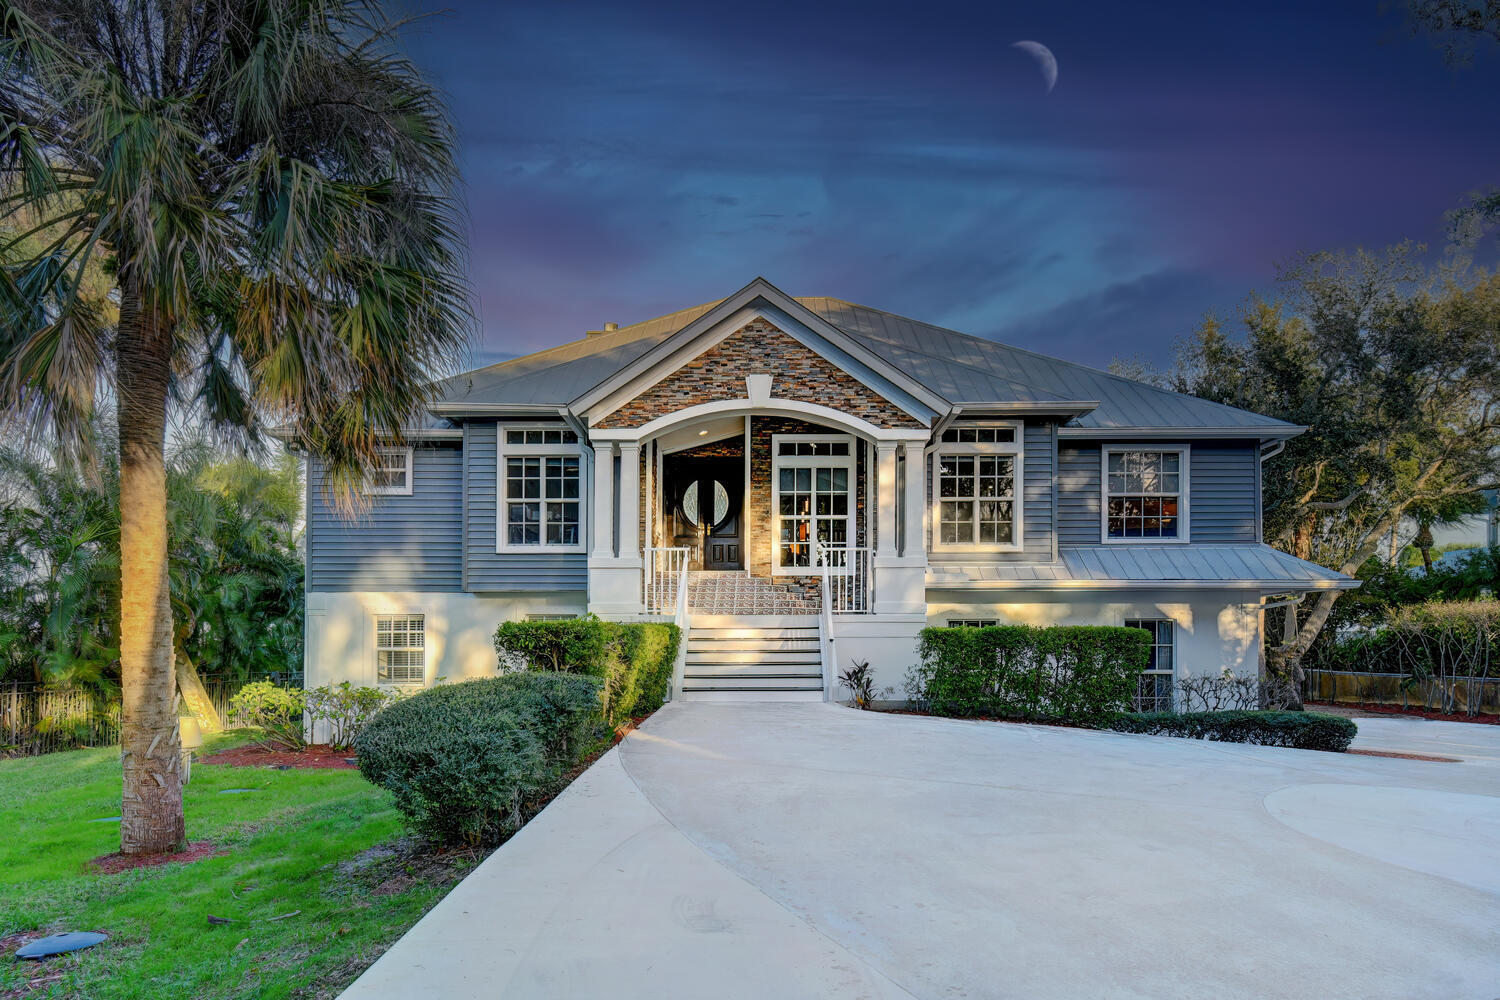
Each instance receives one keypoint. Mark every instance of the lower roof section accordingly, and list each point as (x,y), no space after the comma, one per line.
(1143,567)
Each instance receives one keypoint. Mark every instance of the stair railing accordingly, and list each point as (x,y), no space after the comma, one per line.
(665,579)
(829,645)
(845,571)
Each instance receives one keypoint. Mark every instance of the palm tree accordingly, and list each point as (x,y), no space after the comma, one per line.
(270,185)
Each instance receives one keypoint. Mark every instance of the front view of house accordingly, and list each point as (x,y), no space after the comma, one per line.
(801,483)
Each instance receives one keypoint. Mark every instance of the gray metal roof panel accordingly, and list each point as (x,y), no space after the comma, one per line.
(1203,565)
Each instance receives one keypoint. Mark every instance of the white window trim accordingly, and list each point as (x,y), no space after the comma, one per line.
(1184,504)
(411,474)
(505,450)
(375,648)
(1176,631)
(1016,449)
(780,461)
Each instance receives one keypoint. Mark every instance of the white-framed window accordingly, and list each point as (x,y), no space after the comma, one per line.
(1154,690)
(813,496)
(977,476)
(400,649)
(1145,495)
(542,485)
(392,473)
(972,622)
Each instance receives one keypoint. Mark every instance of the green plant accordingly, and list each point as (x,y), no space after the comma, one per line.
(633,659)
(1074,672)
(1300,730)
(345,709)
(860,680)
(462,760)
(276,711)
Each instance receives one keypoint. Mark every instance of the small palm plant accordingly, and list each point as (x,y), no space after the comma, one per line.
(267,187)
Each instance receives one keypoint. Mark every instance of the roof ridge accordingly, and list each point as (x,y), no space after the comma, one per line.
(1044,357)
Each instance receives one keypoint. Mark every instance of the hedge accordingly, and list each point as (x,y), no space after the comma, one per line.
(462,760)
(1077,673)
(1300,730)
(633,659)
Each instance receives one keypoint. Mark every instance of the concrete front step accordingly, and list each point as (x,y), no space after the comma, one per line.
(752,623)
(757,644)
(748,696)
(752,656)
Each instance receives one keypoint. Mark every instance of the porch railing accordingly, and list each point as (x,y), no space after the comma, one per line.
(665,580)
(845,575)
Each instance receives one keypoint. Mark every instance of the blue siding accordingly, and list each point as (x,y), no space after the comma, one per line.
(1221,502)
(400,542)
(1036,499)
(488,571)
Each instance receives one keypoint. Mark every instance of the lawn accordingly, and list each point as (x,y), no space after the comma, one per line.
(299,842)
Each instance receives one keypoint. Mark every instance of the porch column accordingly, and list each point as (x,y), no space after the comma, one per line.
(630,500)
(604,500)
(885,538)
(916,501)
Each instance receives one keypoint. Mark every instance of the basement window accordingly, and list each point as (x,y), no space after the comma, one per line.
(400,649)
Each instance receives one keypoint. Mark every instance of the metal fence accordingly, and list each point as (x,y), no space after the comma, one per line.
(1458,695)
(38,719)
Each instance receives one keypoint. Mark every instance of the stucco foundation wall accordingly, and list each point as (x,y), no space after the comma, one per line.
(1215,629)
(460,631)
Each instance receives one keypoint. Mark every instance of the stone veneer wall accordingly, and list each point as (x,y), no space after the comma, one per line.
(759,348)
(762,524)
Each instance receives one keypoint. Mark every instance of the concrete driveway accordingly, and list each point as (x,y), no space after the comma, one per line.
(770,851)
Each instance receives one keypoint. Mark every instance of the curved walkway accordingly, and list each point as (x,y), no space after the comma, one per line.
(811,851)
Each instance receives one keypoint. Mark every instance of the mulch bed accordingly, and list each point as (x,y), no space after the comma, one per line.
(113,864)
(1405,756)
(1355,709)
(314,755)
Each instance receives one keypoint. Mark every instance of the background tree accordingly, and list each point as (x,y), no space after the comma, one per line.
(270,185)
(1395,372)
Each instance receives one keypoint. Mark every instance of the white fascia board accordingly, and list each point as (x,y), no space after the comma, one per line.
(537,410)
(1032,407)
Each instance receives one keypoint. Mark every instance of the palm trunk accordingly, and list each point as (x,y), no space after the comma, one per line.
(151,813)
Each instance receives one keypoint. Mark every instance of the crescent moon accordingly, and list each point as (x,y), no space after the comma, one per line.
(1045,60)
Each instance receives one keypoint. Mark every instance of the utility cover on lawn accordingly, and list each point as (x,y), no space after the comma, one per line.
(56,944)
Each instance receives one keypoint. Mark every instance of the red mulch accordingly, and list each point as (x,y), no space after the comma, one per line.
(113,864)
(1406,756)
(314,755)
(1422,713)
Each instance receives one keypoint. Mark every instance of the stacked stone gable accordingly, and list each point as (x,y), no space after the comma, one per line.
(759,348)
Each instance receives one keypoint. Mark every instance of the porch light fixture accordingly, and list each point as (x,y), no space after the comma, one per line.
(703,432)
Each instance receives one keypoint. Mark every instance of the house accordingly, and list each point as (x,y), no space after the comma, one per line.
(801,483)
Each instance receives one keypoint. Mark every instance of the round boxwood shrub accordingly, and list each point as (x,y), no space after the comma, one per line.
(462,760)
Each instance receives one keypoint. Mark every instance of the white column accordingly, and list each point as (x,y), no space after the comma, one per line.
(630,500)
(916,501)
(604,500)
(886,504)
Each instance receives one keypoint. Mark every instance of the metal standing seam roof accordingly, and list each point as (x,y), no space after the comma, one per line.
(1255,566)
(957,366)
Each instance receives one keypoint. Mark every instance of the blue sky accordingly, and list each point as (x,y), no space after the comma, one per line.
(625,161)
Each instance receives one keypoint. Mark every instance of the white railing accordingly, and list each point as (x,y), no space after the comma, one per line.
(845,573)
(664,585)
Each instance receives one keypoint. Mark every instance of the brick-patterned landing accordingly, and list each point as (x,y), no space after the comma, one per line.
(736,592)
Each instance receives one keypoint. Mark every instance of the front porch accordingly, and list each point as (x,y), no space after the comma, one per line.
(756,512)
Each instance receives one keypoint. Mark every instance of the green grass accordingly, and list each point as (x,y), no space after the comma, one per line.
(284,842)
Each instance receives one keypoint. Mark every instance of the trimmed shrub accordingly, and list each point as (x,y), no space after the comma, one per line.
(1069,672)
(346,709)
(1300,730)
(633,659)
(276,711)
(463,760)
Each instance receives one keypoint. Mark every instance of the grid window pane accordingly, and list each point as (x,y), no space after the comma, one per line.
(1143,494)
(543,491)
(1154,691)
(400,649)
(813,501)
(976,499)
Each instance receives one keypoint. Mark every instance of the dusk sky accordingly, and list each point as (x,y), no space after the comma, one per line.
(626,161)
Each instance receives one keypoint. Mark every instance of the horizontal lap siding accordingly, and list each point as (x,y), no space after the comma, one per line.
(489,571)
(1036,500)
(1221,499)
(400,543)
(1222,505)
(1078,494)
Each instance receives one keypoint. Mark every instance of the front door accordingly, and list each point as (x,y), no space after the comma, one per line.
(702,499)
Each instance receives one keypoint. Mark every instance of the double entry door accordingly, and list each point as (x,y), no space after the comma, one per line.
(702,503)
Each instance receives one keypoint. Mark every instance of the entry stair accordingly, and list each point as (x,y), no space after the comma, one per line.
(751,639)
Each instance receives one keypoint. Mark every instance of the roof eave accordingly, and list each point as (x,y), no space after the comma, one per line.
(1261,586)
(1071,408)
(1267,432)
